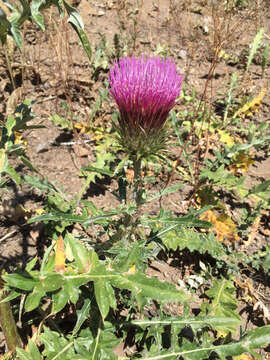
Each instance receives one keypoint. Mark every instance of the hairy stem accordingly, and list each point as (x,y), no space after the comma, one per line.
(7,323)
(138,188)
(9,67)
(84,187)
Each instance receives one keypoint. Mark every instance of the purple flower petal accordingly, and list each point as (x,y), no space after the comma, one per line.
(145,90)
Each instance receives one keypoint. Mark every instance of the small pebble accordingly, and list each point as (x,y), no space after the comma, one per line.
(42,147)
(182,54)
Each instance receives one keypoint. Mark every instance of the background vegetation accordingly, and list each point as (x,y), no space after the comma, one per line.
(87,272)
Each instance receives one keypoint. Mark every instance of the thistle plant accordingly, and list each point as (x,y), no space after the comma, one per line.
(145,90)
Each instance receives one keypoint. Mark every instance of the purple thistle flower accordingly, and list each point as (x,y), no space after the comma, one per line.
(145,90)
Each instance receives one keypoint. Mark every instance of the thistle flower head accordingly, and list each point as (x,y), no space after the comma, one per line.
(145,90)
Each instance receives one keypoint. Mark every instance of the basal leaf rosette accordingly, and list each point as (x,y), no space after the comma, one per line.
(145,90)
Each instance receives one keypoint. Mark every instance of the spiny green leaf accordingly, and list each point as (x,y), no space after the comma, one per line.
(166,191)
(60,299)
(12,295)
(75,17)
(70,218)
(57,217)
(23,282)
(150,287)
(129,257)
(28,163)
(36,15)
(253,339)
(103,171)
(221,177)
(260,188)
(15,32)
(63,122)
(188,238)
(104,342)
(224,302)
(101,297)
(40,184)
(189,220)
(3,161)
(54,344)
(82,315)
(24,114)
(31,264)
(254,47)
(265,58)
(13,174)
(11,122)
(23,355)
(33,299)
(4,26)
(51,282)
(85,42)
(195,322)
(79,253)
(33,350)
(76,21)
(105,296)
(72,287)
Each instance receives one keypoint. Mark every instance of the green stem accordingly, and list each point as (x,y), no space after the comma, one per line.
(7,323)
(9,67)
(130,222)
(84,187)
(138,188)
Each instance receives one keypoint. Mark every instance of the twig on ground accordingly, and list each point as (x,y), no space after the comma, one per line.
(8,235)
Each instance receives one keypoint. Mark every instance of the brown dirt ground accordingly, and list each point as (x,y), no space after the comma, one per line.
(53,68)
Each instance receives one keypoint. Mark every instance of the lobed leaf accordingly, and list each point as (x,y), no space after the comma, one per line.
(60,299)
(51,282)
(105,296)
(223,304)
(254,47)
(82,315)
(76,21)
(214,322)
(188,238)
(189,221)
(79,253)
(33,299)
(21,281)
(23,355)
(253,339)
(152,288)
(35,13)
